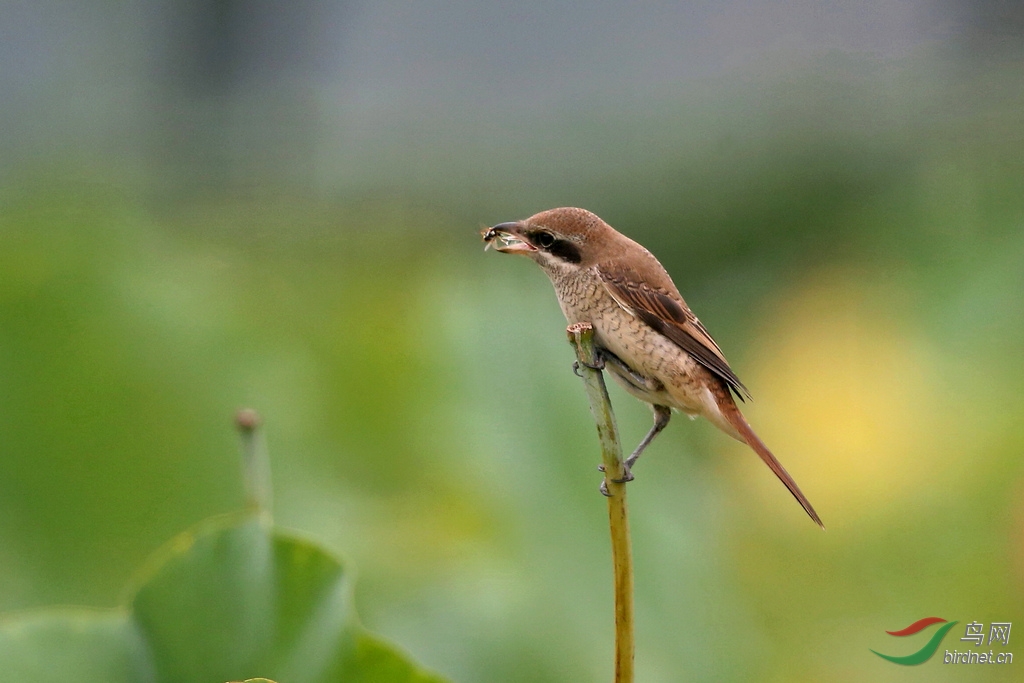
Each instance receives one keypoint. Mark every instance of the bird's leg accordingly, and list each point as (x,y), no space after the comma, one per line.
(647,385)
(628,376)
(662,414)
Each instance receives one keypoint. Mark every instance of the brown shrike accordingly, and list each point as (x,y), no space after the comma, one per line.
(650,341)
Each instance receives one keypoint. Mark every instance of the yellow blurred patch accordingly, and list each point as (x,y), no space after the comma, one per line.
(848,398)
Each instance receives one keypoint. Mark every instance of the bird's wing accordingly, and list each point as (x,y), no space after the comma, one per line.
(667,313)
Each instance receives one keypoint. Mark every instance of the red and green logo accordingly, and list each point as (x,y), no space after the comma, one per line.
(929,649)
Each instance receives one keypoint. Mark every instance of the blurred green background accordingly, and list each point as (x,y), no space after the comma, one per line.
(209,205)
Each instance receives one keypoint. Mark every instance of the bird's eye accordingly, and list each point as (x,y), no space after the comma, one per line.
(544,239)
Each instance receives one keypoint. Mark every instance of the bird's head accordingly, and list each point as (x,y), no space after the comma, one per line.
(557,239)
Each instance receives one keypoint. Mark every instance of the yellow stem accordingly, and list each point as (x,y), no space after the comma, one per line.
(581,336)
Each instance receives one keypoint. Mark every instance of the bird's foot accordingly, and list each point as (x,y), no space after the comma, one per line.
(627,476)
(599,364)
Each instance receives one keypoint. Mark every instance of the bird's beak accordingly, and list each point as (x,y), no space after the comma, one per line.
(507,238)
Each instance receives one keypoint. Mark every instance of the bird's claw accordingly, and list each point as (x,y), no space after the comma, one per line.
(627,476)
(598,364)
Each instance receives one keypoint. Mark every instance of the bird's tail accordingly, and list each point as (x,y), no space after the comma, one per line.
(739,423)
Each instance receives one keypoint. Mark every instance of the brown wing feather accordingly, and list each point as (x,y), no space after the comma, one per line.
(665,311)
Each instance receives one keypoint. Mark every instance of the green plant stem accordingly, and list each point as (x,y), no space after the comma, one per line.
(581,336)
(255,461)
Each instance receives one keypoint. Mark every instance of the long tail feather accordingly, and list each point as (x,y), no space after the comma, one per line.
(736,419)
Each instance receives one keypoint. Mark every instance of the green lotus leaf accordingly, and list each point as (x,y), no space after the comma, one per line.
(232,599)
(64,644)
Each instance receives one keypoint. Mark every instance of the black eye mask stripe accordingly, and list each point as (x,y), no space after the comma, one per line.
(565,250)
